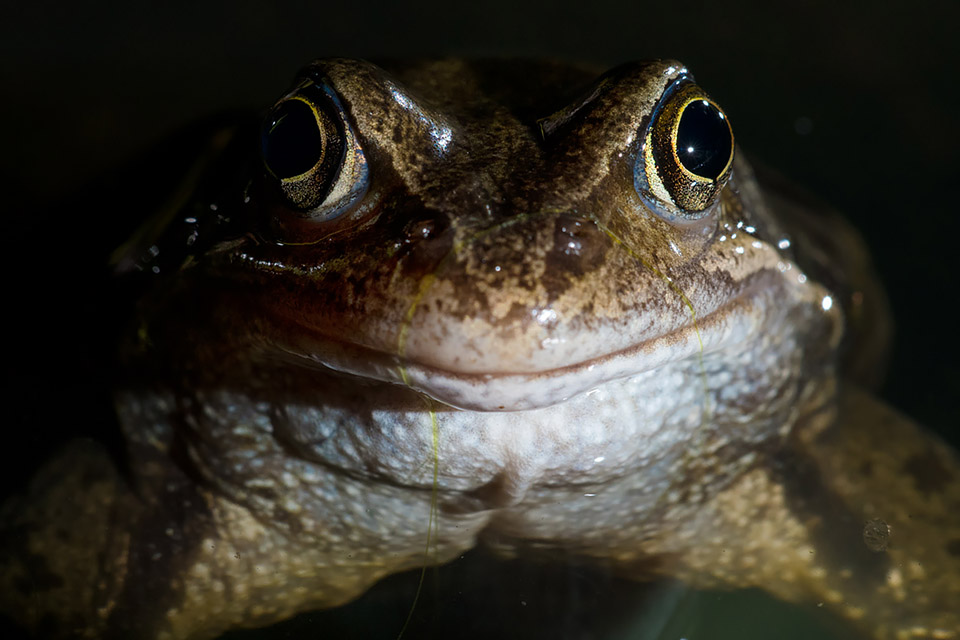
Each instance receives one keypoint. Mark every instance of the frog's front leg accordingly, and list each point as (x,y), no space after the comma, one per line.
(862,516)
(898,489)
(89,553)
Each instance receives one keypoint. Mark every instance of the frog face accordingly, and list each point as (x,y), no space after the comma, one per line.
(498,251)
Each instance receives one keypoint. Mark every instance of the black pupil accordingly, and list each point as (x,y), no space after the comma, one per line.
(291,140)
(703,140)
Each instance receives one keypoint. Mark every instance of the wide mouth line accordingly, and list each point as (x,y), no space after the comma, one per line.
(731,323)
(397,361)
(696,327)
(553,372)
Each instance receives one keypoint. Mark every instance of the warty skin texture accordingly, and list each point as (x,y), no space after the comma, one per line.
(501,335)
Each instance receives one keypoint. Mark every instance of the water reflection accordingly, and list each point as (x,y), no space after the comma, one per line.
(480,596)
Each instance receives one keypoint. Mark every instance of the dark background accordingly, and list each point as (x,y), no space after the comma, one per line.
(855,101)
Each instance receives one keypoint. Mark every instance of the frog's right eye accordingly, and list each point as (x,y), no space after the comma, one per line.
(311,155)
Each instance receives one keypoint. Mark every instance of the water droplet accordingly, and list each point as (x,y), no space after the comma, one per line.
(876,535)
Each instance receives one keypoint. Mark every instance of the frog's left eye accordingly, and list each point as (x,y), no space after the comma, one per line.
(687,154)
(311,154)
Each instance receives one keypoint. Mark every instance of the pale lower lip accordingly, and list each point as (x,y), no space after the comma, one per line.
(523,391)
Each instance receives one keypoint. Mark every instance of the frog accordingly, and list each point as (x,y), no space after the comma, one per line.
(422,307)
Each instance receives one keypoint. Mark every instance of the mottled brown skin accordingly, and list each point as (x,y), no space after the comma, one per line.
(503,335)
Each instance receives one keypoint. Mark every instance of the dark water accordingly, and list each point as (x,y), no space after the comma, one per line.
(478,597)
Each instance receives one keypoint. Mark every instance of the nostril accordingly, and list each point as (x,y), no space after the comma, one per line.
(419,229)
(422,223)
(423,242)
(570,235)
(577,240)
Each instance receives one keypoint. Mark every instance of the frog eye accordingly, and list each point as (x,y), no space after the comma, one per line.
(687,153)
(311,155)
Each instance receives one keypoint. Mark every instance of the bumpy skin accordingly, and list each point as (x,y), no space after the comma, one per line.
(503,339)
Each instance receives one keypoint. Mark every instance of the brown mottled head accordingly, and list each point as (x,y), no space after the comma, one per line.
(498,235)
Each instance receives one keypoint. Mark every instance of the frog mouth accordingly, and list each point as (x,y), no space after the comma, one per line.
(517,391)
(729,325)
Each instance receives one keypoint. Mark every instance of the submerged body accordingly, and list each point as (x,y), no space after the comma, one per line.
(487,303)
